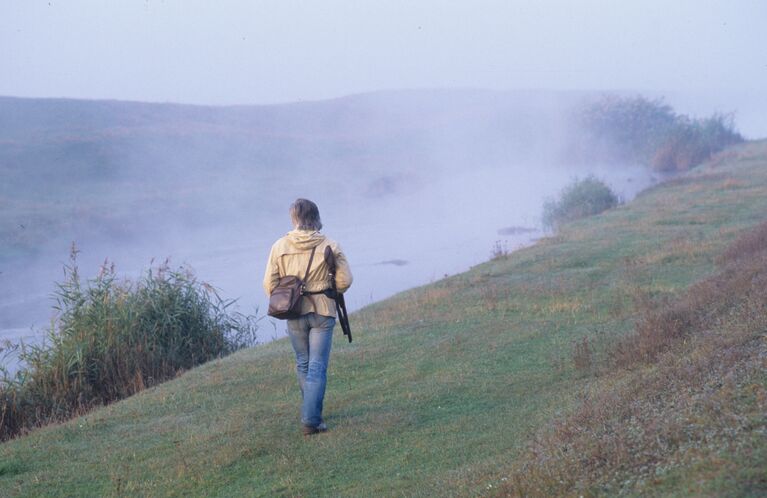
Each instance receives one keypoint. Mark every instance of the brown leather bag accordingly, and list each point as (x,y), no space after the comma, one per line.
(285,299)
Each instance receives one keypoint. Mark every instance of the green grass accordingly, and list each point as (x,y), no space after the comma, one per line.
(443,386)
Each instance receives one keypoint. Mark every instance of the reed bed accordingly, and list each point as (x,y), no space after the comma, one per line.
(114,337)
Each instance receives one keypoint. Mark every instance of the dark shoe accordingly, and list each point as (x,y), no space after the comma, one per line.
(308,430)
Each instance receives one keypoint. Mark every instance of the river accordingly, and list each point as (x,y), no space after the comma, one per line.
(393,242)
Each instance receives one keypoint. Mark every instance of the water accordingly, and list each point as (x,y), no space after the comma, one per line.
(444,226)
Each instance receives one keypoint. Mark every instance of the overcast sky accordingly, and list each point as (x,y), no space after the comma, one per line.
(249,51)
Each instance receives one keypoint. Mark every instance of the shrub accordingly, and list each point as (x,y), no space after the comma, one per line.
(690,143)
(579,199)
(638,130)
(627,129)
(113,338)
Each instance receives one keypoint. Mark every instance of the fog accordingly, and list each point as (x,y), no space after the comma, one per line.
(264,51)
(414,185)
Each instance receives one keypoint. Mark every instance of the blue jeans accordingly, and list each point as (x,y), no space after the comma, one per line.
(311,336)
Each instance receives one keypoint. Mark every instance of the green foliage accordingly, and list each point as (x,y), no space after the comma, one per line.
(579,199)
(650,132)
(113,338)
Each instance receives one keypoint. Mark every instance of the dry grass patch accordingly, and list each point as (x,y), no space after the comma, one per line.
(572,306)
(749,245)
(686,388)
(742,280)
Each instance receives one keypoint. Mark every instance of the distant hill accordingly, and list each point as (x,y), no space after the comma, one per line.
(360,115)
(76,169)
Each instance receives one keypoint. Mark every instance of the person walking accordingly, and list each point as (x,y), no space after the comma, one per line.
(311,333)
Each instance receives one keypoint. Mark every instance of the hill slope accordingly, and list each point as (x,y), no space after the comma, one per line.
(443,386)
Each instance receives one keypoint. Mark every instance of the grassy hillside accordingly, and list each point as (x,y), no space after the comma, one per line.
(445,386)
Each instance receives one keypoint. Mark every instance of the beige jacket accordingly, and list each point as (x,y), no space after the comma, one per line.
(290,255)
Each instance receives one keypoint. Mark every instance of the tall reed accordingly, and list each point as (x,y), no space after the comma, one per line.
(114,337)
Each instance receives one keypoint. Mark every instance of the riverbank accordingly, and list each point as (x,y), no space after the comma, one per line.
(444,386)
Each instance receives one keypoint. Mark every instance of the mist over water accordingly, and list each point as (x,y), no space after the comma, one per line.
(414,186)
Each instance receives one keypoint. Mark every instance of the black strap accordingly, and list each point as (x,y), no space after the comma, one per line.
(330,292)
(327,292)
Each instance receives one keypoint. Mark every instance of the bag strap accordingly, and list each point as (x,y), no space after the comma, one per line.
(329,292)
(311,258)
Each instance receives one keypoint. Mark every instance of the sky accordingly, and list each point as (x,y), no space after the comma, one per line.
(263,52)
